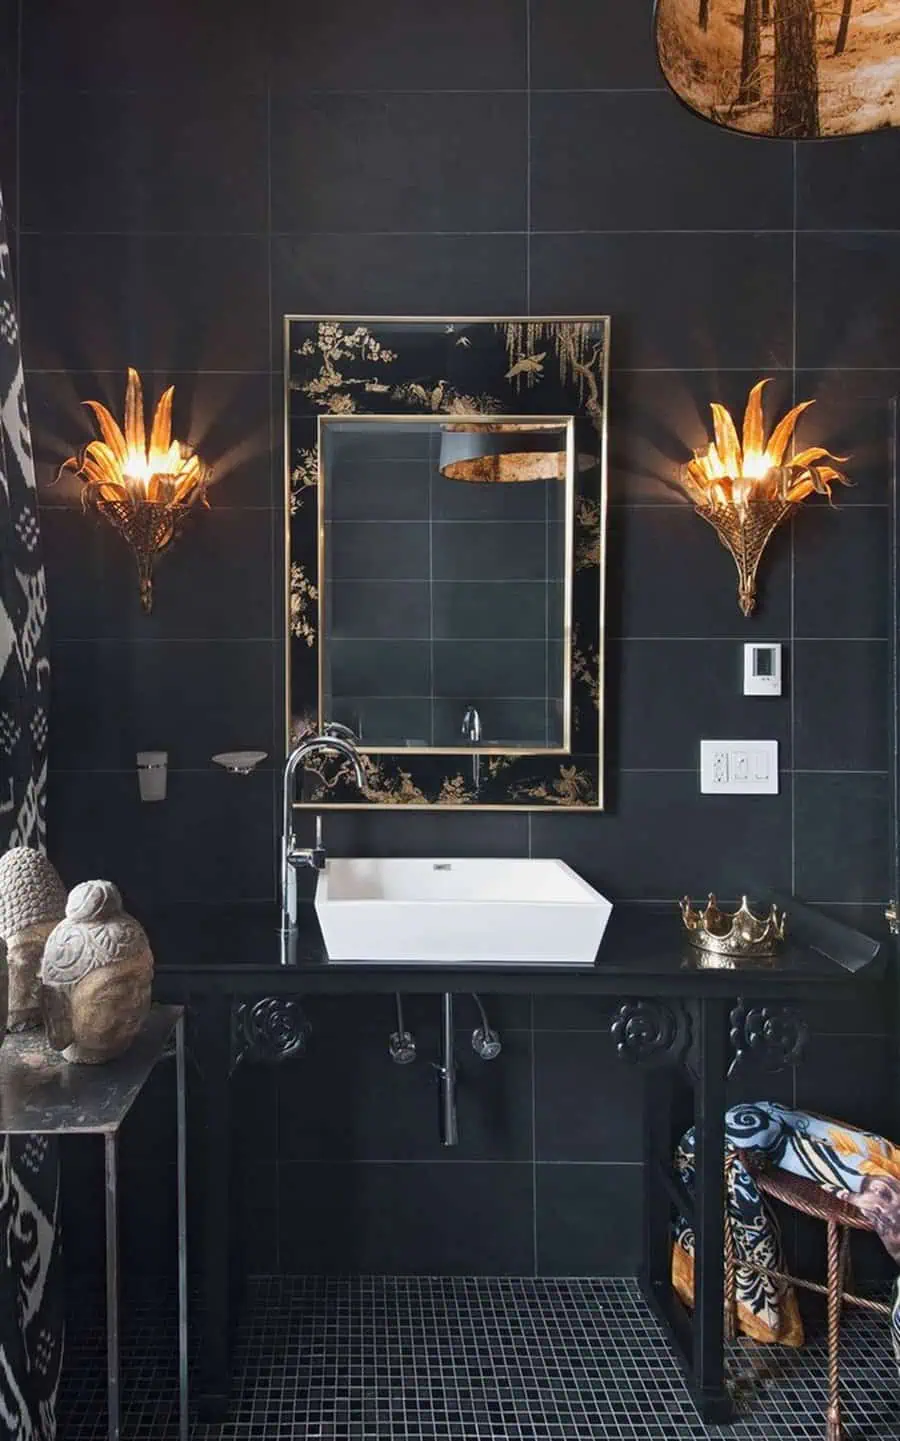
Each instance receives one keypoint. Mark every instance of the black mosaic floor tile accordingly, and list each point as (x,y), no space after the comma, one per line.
(434,1359)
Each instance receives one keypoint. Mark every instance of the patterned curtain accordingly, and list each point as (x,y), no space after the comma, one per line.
(31,1317)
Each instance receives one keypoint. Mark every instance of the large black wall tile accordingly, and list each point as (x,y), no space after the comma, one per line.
(170,850)
(698,687)
(639,850)
(398,162)
(591,45)
(153,166)
(849,1078)
(848,300)
(588,1220)
(378,550)
(842,837)
(427,833)
(9,126)
(379,667)
(467,550)
(489,668)
(853,418)
(465,46)
(406,1218)
(398,275)
(841,571)
(840,186)
(191,698)
(575,1075)
(670,577)
(360,488)
(158,302)
(664,172)
(381,609)
(225,418)
(378,1111)
(695,301)
(840,705)
(466,610)
(214,584)
(164,48)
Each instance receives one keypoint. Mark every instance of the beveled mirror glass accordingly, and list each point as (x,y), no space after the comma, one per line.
(445,551)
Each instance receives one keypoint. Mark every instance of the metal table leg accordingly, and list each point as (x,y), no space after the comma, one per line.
(181,1108)
(112,1283)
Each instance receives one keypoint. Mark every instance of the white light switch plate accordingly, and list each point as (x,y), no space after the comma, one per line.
(739,768)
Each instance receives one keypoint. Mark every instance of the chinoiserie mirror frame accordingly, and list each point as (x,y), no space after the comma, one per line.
(546,368)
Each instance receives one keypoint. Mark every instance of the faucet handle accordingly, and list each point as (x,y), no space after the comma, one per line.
(313,857)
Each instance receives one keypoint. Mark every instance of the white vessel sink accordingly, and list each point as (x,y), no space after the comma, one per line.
(459,912)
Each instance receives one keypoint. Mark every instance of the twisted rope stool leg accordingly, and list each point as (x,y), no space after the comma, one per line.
(837,1253)
(730,1280)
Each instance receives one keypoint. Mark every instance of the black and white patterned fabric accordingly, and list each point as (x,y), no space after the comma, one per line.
(31,1302)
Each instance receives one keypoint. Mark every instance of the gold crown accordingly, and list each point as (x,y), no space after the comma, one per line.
(733,933)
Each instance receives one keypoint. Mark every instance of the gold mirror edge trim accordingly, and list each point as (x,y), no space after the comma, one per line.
(603,321)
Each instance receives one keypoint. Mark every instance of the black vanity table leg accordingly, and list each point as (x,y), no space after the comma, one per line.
(214,1059)
(658,1142)
(709,1389)
(698,1340)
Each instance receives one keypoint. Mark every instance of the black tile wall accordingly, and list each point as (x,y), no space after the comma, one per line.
(485,157)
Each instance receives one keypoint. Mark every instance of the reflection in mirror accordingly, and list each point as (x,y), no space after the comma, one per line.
(445,595)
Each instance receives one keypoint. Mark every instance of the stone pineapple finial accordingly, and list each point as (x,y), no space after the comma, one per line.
(97,974)
(32,900)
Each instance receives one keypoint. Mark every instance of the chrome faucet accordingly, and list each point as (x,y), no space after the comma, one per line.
(471,731)
(293,856)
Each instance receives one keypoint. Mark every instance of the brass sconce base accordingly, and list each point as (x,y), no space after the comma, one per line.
(746,537)
(149,528)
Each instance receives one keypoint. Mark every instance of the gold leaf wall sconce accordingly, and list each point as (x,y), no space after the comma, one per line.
(146,488)
(745,486)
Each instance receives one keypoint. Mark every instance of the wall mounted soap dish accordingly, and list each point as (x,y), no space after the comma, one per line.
(240,763)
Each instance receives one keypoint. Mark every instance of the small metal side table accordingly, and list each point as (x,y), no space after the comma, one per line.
(42,1094)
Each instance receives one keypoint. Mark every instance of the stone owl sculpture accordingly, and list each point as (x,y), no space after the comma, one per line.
(96,975)
(32,901)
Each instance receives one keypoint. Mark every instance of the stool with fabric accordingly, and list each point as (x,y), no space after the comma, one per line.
(841,1217)
(847,1178)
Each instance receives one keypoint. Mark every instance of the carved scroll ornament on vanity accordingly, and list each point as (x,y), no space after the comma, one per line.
(445,516)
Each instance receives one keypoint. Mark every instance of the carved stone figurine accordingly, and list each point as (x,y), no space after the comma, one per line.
(32,901)
(97,974)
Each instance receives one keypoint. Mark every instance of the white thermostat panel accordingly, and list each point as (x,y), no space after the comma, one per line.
(762,668)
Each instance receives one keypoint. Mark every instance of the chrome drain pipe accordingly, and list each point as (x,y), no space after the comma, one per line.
(446,1074)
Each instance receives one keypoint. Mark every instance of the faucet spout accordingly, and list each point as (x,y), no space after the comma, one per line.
(291,856)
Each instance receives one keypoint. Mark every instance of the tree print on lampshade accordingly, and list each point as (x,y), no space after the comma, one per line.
(791,69)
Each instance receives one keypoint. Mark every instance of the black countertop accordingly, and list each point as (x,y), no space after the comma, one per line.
(238,949)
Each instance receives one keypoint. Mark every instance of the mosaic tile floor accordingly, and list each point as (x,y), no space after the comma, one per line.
(432,1359)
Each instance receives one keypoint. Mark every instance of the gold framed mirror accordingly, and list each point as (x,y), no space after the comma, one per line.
(445,503)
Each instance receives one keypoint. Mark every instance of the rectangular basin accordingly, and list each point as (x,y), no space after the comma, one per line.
(459,912)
